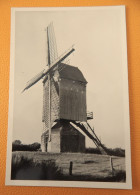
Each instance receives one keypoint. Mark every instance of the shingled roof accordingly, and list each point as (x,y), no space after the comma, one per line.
(72,73)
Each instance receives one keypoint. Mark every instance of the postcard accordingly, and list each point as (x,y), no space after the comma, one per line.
(69,98)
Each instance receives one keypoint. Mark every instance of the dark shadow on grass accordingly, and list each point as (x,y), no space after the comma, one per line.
(26,169)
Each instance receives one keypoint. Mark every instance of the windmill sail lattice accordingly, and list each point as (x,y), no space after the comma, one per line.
(52,46)
(52,55)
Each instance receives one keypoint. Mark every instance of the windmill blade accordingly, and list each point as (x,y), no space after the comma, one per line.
(45,72)
(52,47)
(34,80)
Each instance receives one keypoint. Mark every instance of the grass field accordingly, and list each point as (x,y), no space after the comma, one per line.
(86,166)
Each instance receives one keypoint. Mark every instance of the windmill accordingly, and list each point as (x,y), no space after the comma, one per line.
(64,103)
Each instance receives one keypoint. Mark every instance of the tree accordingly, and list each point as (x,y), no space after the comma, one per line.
(17,142)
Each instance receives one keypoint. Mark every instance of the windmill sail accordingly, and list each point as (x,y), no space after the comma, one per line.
(52,47)
(44,72)
(52,56)
(34,80)
(59,60)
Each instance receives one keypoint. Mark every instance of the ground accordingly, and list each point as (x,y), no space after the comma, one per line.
(92,165)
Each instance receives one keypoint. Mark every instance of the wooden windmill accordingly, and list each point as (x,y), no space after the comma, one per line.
(64,103)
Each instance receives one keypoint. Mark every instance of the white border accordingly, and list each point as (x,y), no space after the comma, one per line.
(8,181)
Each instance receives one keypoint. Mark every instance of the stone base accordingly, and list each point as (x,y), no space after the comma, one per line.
(49,146)
(44,143)
(64,138)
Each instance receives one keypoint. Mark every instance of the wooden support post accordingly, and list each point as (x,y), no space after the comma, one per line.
(70,168)
(111,164)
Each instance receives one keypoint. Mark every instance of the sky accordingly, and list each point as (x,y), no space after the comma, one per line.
(97,35)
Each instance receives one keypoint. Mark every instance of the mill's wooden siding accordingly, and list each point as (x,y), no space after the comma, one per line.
(68,97)
(72,96)
(54,103)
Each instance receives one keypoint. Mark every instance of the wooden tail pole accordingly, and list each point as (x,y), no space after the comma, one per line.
(97,140)
(94,133)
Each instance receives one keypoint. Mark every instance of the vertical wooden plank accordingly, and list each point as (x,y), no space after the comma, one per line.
(70,168)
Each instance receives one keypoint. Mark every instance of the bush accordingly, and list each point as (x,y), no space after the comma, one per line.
(116,152)
(113,152)
(18,146)
(93,151)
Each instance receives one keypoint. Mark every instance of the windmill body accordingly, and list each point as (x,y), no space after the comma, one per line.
(64,114)
(68,103)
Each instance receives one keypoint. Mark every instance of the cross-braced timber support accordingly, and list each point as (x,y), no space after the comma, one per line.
(92,136)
